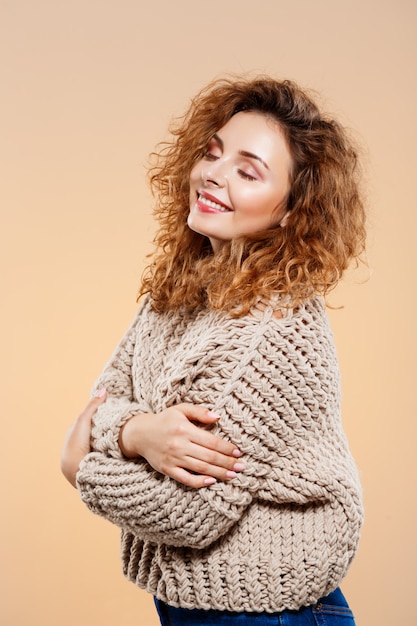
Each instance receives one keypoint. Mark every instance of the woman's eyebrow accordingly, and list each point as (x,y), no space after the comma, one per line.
(244,153)
(253,156)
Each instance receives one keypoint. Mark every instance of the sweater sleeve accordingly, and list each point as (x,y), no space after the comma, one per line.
(122,400)
(130,494)
(277,393)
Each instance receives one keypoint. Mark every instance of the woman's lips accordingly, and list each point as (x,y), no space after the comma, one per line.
(210,204)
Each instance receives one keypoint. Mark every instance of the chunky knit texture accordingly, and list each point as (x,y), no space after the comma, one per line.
(280,535)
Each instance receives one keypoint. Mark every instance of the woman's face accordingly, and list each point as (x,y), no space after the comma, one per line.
(240,185)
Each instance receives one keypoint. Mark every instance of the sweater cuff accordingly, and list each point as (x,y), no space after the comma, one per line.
(107,423)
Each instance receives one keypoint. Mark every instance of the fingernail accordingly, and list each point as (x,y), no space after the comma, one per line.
(237,453)
(230,474)
(213,414)
(101,392)
(238,467)
(210,481)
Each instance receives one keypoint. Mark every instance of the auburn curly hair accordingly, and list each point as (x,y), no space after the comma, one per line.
(325,229)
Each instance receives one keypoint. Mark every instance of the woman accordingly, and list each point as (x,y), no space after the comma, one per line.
(216,437)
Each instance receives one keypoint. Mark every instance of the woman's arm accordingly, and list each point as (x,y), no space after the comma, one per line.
(129,492)
(172,441)
(134,497)
(169,441)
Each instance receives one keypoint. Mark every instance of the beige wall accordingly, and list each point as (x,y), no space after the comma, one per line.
(87,88)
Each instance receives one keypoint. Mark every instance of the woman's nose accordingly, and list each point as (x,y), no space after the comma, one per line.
(214,175)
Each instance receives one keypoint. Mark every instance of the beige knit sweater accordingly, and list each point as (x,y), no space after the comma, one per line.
(280,535)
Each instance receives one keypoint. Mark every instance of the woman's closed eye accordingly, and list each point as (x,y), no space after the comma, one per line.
(246,175)
(209,156)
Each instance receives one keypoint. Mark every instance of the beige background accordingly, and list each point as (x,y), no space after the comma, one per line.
(87,88)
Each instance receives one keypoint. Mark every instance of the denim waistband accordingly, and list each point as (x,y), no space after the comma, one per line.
(335,598)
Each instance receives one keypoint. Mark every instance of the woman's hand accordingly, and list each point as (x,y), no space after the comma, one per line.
(77,441)
(173,445)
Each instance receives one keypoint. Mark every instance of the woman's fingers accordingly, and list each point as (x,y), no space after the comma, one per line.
(221,469)
(174,443)
(205,459)
(198,451)
(195,481)
(81,429)
(203,437)
(93,405)
(215,444)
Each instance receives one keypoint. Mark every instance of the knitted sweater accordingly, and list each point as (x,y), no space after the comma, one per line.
(280,535)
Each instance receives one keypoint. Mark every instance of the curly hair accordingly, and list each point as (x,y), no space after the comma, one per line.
(325,229)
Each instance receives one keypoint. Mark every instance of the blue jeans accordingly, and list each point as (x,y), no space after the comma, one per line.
(333,610)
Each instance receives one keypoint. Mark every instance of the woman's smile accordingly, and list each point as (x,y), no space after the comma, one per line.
(209,204)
